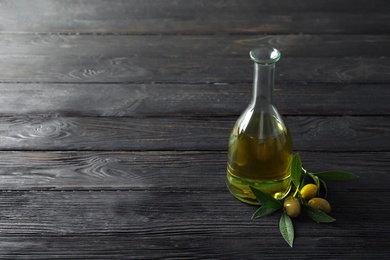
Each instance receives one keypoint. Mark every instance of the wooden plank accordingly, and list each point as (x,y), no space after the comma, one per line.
(172,246)
(165,171)
(199,17)
(171,46)
(87,59)
(144,224)
(343,133)
(188,99)
(129,69)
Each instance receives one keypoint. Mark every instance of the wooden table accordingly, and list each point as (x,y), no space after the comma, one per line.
(115,117)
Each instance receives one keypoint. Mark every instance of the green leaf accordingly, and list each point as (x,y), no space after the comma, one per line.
(316,215)
(315,179)
(266,200)
(263,211)
(336,176)
(296,170)
(286,228)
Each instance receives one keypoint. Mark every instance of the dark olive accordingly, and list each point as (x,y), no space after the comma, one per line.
(292,206)
(321,204)
(309,191)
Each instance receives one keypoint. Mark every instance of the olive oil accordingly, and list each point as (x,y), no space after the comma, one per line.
(261,163)
(260,144)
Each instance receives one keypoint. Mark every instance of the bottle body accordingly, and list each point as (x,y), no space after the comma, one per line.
(260,146)
(261,163)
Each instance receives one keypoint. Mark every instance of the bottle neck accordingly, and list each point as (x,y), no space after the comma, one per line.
(263,83)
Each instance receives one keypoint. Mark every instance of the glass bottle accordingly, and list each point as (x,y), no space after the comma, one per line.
(260,144)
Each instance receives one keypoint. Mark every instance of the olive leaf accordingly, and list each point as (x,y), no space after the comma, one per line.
(316,215)
(263,211)
(266,200)
(315,179)
(336,176)
(296,170)
(286,228)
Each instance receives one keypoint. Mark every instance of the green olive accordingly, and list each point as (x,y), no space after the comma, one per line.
(309,191)
(321,204)
(292,206)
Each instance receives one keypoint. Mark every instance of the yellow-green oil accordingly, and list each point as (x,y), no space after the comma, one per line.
(261,163)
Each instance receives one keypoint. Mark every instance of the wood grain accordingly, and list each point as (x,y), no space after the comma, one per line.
(170,46)
(126,60)
(128,133)
(128,246)
(200,17)
(129,69)
(176,224)
(115,116)
(164,170)
(219,100)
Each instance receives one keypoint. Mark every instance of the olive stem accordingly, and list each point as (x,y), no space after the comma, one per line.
(299,185)
(297,190)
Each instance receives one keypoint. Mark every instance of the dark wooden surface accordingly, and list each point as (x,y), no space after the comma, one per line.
(115,116)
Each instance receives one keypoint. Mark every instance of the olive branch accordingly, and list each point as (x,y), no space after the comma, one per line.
(306,198)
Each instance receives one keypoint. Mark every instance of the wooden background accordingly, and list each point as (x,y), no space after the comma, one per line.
(115,117)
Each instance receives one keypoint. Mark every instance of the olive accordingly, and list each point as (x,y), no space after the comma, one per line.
(309,191)
(292,206)
(321,204)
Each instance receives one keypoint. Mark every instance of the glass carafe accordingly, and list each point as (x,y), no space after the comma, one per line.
(260,144)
